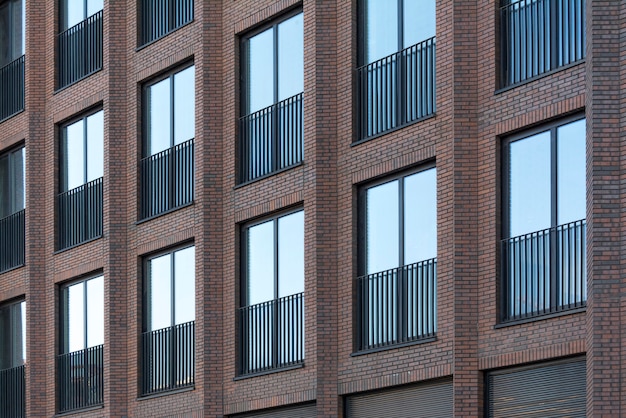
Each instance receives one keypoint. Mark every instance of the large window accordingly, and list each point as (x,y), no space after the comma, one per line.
(12,200)
(160,17)
(538,36)
(271,319)
(396,76)
(79,43)
(12,24)
(12,359)
(543,250)
(169,321)
(169,126)
(80,363)
(79,203)
(396,289)
(270,129)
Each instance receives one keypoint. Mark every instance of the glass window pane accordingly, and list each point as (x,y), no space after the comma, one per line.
(94,6)
(571,172)
(260,71)
(95,311)
(420,216)
(6,55)
(19,180)
(529,185)
(95,146)
(74,13)
(5,200)
(260,263)
(184,105)
(185,286)
(382,227)
(75,326)
(5,338)
(290,57)
(160,288)
(291,254)
(159,129)
(74,156)
(22,329)
(381,29)
(419,21)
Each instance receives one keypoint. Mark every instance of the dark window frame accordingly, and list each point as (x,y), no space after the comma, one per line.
(12,305)
(12,31)
(9,153)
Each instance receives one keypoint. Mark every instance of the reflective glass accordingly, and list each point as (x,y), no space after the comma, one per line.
(95,311)
(94,6)
(95,146)
(6,55)
(260,263)
(184,286)
(12,335)
(290,57)
(160,292)
(22,329)
(184,105)
(260,71)
(291,254)
(75,326)
(571,172)
(381,29)
(420,216)
(5,194)
(382,227)
(74,12)
(418,21)
(529,185)
(74,155)
(159,102)
(19,183)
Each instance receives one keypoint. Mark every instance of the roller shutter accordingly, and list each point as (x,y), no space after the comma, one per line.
(554,390)
(426,400)
(298,411)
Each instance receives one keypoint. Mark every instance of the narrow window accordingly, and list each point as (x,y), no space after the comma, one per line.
(12,213)
(12,359)
(12,25)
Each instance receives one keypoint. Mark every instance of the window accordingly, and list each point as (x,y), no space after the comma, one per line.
(169,126)
(169,321)
(80,364)
(270,131)
(538,36)
(79,204)
(12,24)
(160,17)
(79,43)
(544,229)
(396,289)
(12,199)
(396,78)
(12,359)
(271,318)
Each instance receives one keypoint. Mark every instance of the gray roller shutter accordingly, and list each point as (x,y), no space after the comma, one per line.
(554,390)
(298,411)
(426,400)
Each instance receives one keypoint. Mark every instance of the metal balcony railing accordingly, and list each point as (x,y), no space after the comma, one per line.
(396,90)
(79,50)
(81,379)
(271,139)
(167,180)
(12,231)
(544,272)
(538,36)
(12,393)
(168,358)
(271,334)
(80,214)
(397,306)
(12,88)
(160,17)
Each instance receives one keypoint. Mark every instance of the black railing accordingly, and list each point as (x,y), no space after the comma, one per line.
(160,17)
(167,180)
(396,90)
(168,358)
(12,88)
(81,379)
(397,306)
(271,139)
(12,230)
(80,214)
(538,36)
(80,50)
(544,272)
(271,334)
(12,393)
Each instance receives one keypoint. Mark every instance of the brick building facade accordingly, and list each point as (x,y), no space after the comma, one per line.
(283,208)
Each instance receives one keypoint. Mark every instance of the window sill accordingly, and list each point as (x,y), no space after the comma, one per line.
(397,128)
(158,215)
(79,411)
(147,44)
(272,371)
(12,115)
(166,393)
(273,173)
(393,346)
(12,268)
(538,77)
(60,89)
(77,245)
(541,317)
